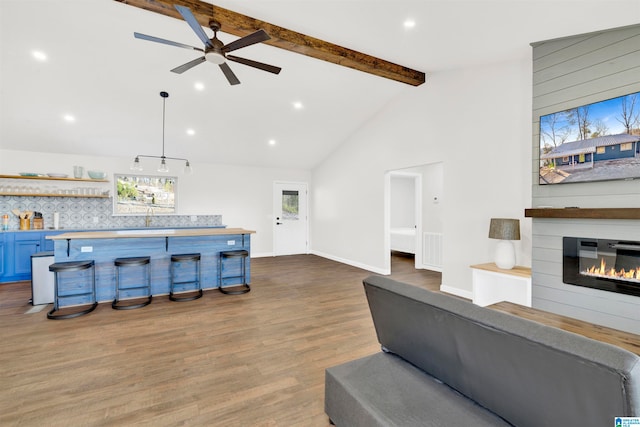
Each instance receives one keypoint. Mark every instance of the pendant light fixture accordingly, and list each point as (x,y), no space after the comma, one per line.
(163,159)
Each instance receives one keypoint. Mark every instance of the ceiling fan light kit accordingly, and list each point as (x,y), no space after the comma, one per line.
(136,166)
(214,50)
(215,57)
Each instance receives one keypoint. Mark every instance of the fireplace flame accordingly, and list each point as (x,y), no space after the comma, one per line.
(611,273)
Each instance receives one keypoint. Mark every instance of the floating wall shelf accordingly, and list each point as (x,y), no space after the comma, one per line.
(49,194)
(585,213)
(48,178)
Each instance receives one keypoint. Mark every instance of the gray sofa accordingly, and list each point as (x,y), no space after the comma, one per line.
(447,362)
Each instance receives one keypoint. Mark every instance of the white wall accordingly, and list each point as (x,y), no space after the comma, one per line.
(478,123)
(403,201)
(241,194)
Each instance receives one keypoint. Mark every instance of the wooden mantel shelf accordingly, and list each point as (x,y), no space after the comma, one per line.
(586,213)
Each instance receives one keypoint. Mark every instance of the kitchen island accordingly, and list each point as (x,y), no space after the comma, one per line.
(104,246)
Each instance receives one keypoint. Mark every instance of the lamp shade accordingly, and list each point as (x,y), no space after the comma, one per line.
(504,229)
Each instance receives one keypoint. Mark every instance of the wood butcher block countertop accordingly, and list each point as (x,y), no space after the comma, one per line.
(150,232)
(518,270)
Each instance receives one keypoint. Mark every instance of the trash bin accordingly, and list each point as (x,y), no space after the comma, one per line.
(41,278)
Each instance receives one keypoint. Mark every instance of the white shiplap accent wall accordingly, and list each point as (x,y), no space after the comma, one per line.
(567,73)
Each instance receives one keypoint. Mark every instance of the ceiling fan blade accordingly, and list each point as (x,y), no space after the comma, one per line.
(193,23)
(253,38)
(189,65)
(164,41)
(233,80)
(265,67)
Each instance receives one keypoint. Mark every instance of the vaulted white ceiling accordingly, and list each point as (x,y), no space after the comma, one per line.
(109,81)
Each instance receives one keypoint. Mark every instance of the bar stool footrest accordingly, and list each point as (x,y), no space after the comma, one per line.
(199,294)
(51,315)
(243,290)
(115,304)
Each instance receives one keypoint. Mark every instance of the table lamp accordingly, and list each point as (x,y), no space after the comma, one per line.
(506,230)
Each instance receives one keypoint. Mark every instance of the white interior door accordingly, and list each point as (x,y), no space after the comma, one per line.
(290,220)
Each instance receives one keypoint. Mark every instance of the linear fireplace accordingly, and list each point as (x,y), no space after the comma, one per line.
(608,265)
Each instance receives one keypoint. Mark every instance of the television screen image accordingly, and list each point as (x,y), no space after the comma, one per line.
(592,142)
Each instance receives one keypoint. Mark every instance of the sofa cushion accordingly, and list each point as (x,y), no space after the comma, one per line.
(384,390)
(530,374)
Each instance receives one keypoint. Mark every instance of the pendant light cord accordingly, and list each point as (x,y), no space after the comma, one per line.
(164,96)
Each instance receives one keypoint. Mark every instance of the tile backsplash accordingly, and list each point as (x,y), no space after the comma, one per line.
(93,213)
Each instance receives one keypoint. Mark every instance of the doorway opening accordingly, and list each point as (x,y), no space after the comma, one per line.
(413,217)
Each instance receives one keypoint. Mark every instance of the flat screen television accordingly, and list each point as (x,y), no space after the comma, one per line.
(592,142)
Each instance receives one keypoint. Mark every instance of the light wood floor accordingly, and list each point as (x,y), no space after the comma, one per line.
(256,359)
(224,360)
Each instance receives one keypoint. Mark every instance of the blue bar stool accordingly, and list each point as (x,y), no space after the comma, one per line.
(89,289)
(242,255)
(179,259)
(143,261)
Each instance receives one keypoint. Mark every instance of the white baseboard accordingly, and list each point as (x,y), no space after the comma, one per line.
(462,293)
(376,270)
(430,268)
(261,254)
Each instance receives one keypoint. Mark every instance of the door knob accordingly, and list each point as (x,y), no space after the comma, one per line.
(278,223)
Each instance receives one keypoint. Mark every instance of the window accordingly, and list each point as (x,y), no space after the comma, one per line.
(600,150)
(138,194)
(627,146)
(290,205)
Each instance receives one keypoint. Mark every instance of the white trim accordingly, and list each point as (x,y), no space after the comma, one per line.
(261,254)
(386,244)
(457,292)
(419,252)
(417,196)
(376,270)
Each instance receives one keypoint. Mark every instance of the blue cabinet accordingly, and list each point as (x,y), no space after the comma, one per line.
(3,254)
(46,244)
(16,248)
(24,246)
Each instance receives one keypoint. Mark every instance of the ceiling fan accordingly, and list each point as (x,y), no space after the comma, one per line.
(214,50)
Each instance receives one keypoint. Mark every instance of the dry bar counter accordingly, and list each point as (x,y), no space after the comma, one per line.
(103,247)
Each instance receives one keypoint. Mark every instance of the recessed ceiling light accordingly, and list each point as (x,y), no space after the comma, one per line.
(198,85)
(69,118)
(272,142)
(298,105)
(409,23)
(191,132)
(40,56)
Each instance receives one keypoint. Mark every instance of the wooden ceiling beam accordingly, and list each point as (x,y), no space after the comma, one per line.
(242,25)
